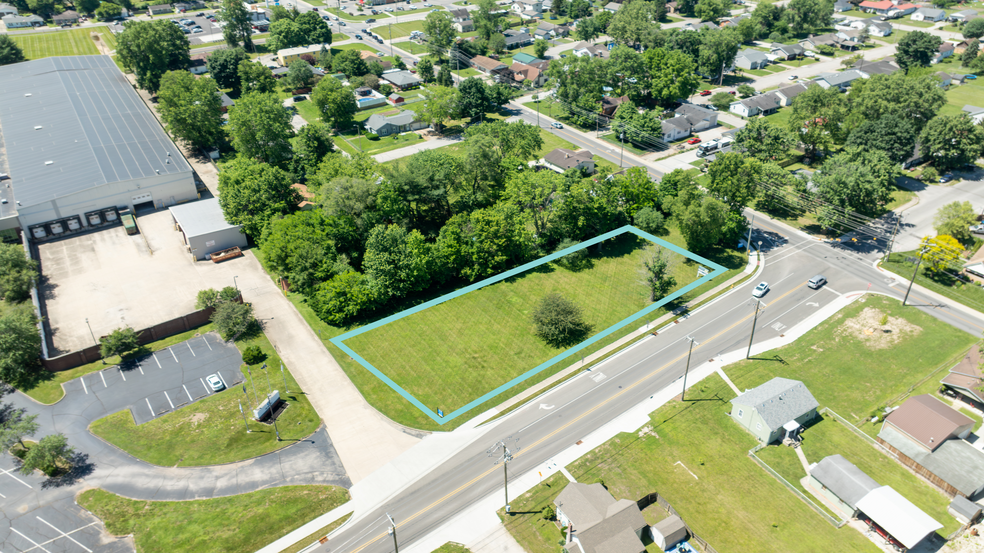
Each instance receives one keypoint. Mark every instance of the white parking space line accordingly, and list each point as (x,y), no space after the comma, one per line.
(154,355)
(191,350)
(36,544)
(83,385)
(101,375)
(169,400)
(7,472)
(172,354)
(224,385)
(141,368)
(151,407)
(207,391)
(3,496)
(64,535)
(207,344)
(123,375)
(832,290)
(187,393)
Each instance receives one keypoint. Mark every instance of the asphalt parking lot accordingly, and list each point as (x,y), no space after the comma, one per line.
(164,381)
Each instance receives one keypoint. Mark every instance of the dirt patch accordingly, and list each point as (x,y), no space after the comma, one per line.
(103,48)
(197,418)
(868,327)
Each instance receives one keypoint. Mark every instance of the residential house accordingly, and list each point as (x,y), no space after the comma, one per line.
(287,55)
(597,522)
(160,9)
(562,160)
(945,78)
(963,15)
(523,57)
(517,39)
(699,117)
(841,80)
(849,35)
(198,66)
(401,79)
(183,7)
(929,437)
(309,198)
(829,39)
(888,7)
(751,59)
(547,30)
(385,125)
(965,380)
(840,483)
(928,14)
(227,103)
(675,128)
(897,516)
(395,99)
(774,409)
(789,93)
(465,26)
(459,14)
(487,65)
(944,51)
(975,113)
(961,47)
(522,73)
(733,22)
(612,7)
(843,6)
(582,49)
(22,21)
(762,104)
(671,7)
(883,67)
(67,17)
(786,51)
(528,7)
(609,104)
(710,25)
(879,28)
(7,9)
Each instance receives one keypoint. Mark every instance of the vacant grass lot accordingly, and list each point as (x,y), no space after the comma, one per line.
(959,96)
(728,499)
(239,523)
(211,431)
(969,294)
(830,437)
(398,30)
(452,353)
(74,42)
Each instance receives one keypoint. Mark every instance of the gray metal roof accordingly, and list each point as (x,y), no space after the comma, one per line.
(931,12)
(842,78)
(955,461)
(965,507)
(201,217)
(752,55)
(401,78)
(378,120)
(94,128)
(778,401)
(843,479)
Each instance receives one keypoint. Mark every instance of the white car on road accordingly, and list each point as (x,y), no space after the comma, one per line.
(760,290)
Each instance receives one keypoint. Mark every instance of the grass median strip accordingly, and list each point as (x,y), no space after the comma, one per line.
(238,523)
(317,535)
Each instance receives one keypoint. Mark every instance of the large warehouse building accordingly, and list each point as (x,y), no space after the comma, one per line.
(80,144)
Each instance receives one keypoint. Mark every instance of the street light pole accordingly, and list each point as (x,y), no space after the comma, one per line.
(243,413)
(267,373)
(396,546)
(90,331)
(275,429)
(752,337)
(283,374)
(235,283)
(687,370)
(891,243)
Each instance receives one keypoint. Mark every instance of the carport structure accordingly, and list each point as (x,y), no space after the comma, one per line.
(897,517)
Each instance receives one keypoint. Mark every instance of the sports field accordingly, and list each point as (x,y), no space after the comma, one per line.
(74,42)
(450,354)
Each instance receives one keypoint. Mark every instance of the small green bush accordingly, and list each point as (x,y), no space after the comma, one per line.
(930,175)
(253,355)
(372,136)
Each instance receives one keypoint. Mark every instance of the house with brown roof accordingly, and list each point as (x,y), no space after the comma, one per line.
(68,17)
(522,73)
(562,160)
(487,65)
(965,380)
(929,437)
(609,104)
(945,50)
(307,203)
(597,522)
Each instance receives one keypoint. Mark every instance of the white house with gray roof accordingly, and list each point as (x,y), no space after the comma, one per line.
(7,9)
(928,14)
(751,59)
(385,125)
(599,523)
(841,79)
(766,409)
(22,21)
(400,79)
(840,483)
(963,15)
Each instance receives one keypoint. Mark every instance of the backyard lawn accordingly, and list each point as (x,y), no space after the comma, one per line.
(830,437)
(211,431)
(74,42)
(378,146)
(959,96)
(244,522)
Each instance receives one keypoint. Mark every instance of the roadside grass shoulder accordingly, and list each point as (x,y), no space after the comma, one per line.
(211,431)
(452,547)
(967,293)
(237,523)
(526,523)
(305,542)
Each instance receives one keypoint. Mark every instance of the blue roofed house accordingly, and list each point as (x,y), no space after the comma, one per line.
(384,125)
(774,409)
(523,57)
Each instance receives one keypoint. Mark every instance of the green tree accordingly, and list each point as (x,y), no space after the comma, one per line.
(941,252)
(656,269)
(484,242)
(588,29)
(252,193)
(253,355)
(710,10)
(260,128)
(44,8)
(232,319)
(46,455)
(702,222)
(16,427)
(10,52)
(238,29)
(558,321)
(150,49)
(890,133)
(952,140)
(974,28)
(352,205)
(314,29)
(533,192)
(229,293)
(256,78)
(540,48)
(650,220)
(440,106)
(746,90)
(350,62)
(301,248)
(954,219)
(440,32)
(206,298)
(671,74)
(425,70)
(916,99)
(817,118)
(916,49)
(190,108)
(488,18)
(748,30)
(722,100)
(808,15)
(574,261)
(444,77)
(422,187)
(86,6)
(223,66)
(473,99)
(299,74)
(118,342)
(717,51)
(20,344)
(397,262)
(764,141)
(285,33)
(854,180)
(344,298)
(17,273)
(497,43)
(335,102)
(108,11)
(966,58)
(634,21)
(734,179)
(313,143)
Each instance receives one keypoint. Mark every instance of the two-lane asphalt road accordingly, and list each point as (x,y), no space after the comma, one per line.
(593,398)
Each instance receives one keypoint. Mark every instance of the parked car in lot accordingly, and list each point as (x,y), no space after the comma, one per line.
(946,178)
(215,382)
(197,30)
(705,92)
(761,289)
(694,140)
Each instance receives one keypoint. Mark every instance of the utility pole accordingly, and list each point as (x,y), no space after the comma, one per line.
(621,141)
(536,99)
(396,546)
(754,320)
(505,456)
(892,241)
(748,243)
(687,370)
(391,38)
(283,374)
(909,289)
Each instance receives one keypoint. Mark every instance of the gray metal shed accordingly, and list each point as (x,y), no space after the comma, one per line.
(669,532)
(205,228)
(964,510)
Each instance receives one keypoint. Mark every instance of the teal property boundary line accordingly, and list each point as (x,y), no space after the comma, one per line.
(716,270)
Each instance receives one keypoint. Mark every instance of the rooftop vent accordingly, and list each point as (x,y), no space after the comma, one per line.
(37,127)
(48,162)
(27,94)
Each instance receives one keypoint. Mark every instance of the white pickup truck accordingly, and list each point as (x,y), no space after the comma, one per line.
(977,229)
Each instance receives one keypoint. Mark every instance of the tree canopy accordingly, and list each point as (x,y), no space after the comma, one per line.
(252,193)
(150,49)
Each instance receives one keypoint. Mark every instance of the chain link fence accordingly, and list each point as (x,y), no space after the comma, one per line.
(833,521)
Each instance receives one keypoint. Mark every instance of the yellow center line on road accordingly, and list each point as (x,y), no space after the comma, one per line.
(562,428)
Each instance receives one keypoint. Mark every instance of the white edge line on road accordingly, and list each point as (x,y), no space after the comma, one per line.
(151,407)
(832,290)
(169,400)
(83,385)
(172,354)
(36,544)
(101,375)
(206,343)
(791,308)
(191,350)
(154,355)
(64,535)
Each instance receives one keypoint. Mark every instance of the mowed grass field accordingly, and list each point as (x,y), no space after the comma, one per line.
(453,353)
(74,42)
